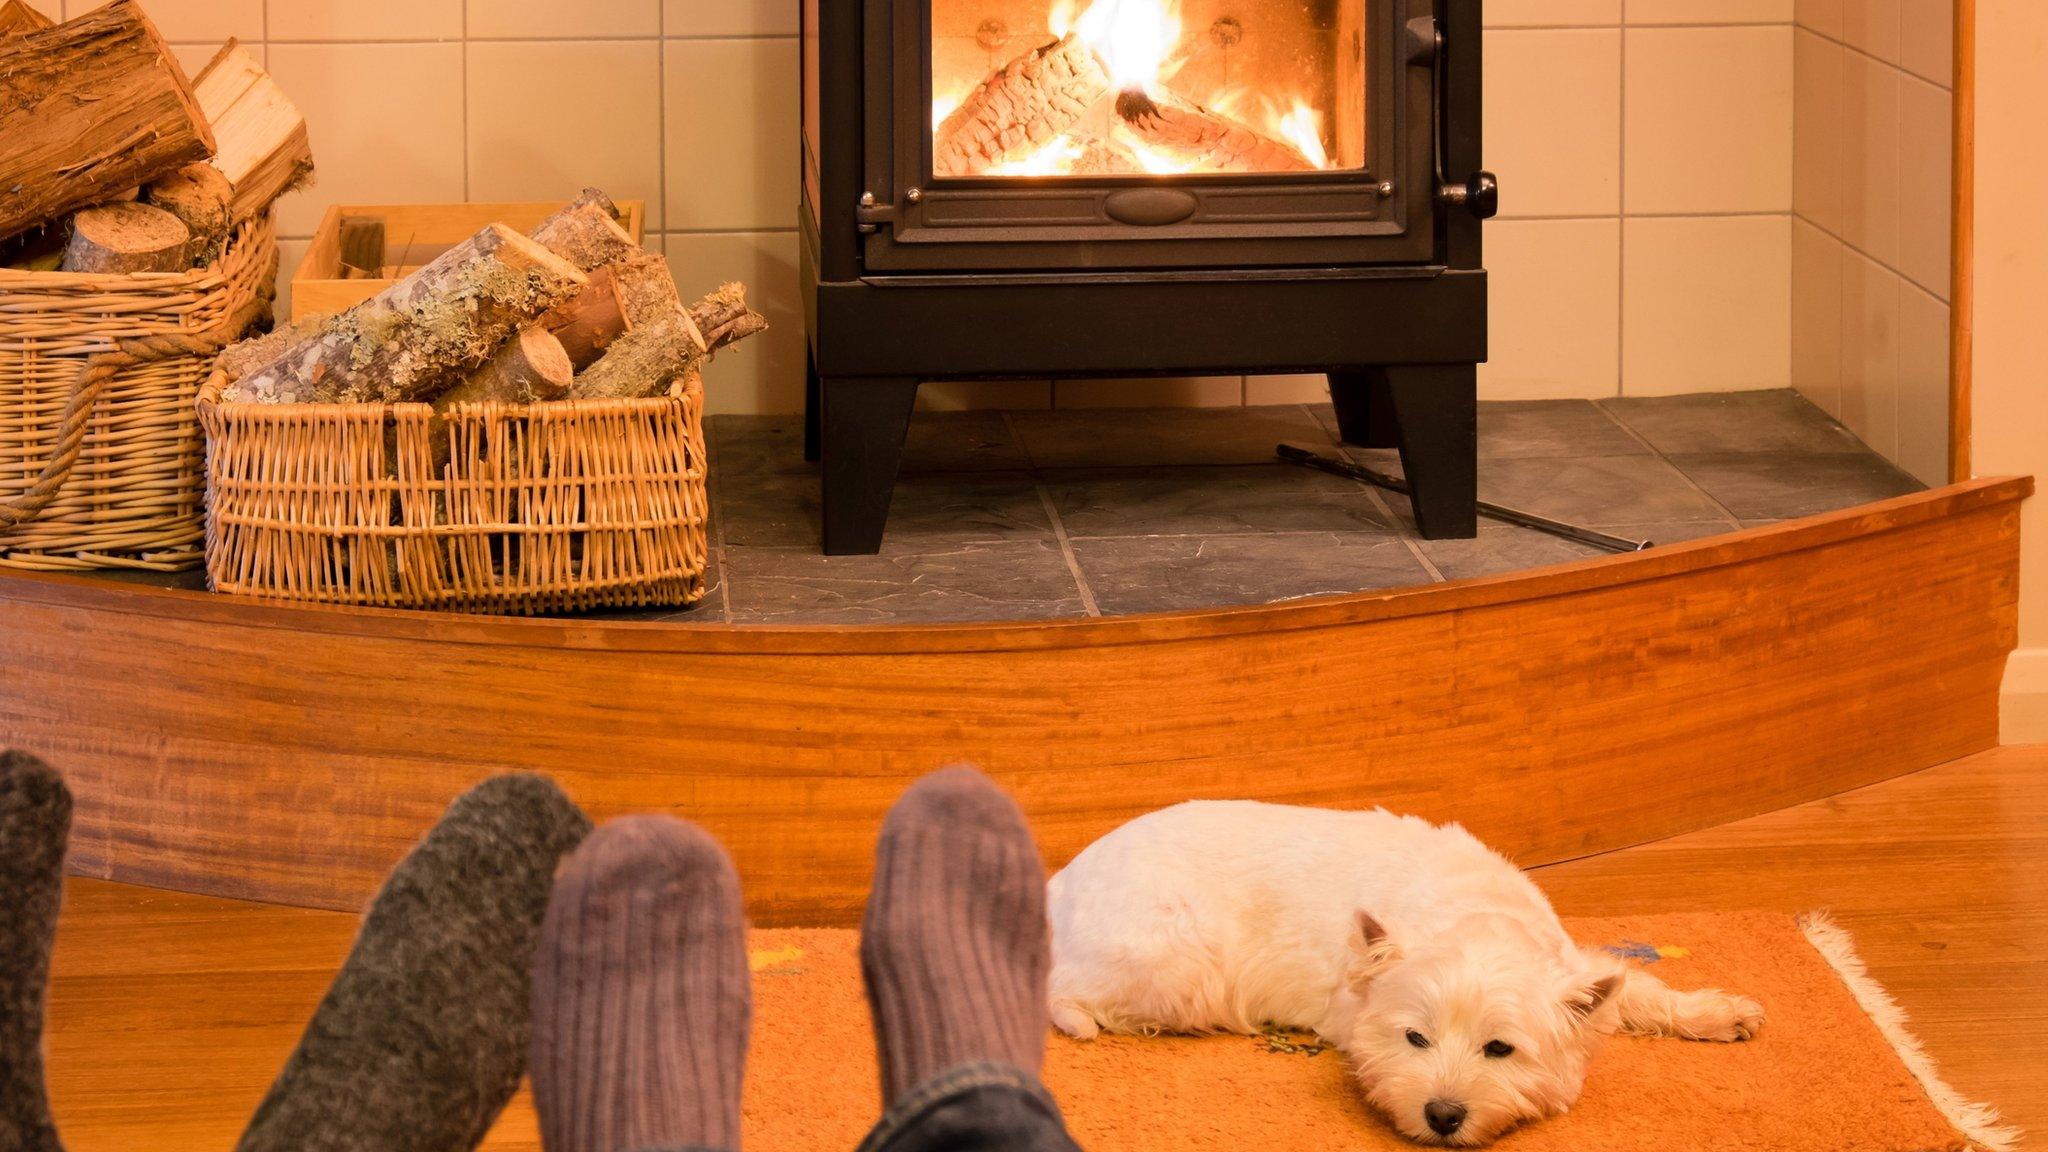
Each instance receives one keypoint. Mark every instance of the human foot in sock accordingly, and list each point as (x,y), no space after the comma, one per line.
(35,817)
(422,1037)
(640,994)
(955,947)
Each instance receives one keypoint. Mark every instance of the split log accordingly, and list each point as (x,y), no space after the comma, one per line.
(410,341)
(591,322)
(201,197)
(124,238)
(18,19)
(263,147)
(1020,108)
(1205,141)
(646,360)
(90,108)
(362,247)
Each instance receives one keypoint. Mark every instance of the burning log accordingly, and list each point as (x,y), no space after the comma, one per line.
(1203,141)
(1021,107)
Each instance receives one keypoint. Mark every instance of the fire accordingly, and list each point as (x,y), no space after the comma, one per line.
(1055,159)
(1303,128)
(1134,39)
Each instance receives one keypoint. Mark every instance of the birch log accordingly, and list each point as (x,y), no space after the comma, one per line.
(646,360)
(88,109)
(412,340)
(586,234)
(592,322)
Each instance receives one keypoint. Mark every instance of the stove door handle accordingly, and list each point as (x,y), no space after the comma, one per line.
(1479,195)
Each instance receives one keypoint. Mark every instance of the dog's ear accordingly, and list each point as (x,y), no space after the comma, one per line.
(1371,950)
(1584,998)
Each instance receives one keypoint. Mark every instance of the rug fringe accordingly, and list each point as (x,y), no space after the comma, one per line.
(1979,1122)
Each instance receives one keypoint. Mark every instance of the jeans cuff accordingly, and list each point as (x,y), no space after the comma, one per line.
(944,1087)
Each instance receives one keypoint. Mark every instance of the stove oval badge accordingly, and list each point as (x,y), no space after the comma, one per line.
(1150,207)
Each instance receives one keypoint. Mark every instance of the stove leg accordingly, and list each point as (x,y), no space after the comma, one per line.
(1365,409)
(862,423)
(1436,408)
(811,406)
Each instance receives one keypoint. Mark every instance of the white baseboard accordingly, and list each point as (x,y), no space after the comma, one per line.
(2023,704)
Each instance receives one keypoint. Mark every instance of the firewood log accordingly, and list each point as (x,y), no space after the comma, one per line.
(201,197)
(240,359)
(410,341)
(1020,108)
(589,324)
(1202,140)
(264,149)
(124,238)
(587,235)
(646,360)
(18,19)
(90,108)
(531,367)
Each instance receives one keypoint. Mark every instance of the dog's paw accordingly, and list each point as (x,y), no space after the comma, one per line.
(1071,1019)
(1720,1016)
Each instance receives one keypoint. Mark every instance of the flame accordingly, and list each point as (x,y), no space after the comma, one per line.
(1303,128)
(1055,159)
(1134,38)
(945,105)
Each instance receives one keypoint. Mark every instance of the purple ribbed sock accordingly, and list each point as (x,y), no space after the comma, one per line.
(641,1001)
(955,947)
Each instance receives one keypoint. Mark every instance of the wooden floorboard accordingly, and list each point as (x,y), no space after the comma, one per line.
(171,1012)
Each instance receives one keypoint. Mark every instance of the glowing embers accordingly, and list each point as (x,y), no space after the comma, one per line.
(1131,87)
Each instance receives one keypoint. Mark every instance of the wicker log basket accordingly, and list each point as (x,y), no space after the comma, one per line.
(563,506)
(100,451)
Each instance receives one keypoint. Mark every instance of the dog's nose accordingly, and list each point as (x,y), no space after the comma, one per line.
(1444,1117)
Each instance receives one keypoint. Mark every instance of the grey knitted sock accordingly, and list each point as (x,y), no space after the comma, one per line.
(641,1002)
(422,1037)
(955,947)
(35,818)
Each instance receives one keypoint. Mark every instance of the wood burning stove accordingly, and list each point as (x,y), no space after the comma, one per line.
(1052,188)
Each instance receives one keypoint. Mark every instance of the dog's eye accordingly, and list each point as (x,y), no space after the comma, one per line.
(1499,1049)
(1417,1039)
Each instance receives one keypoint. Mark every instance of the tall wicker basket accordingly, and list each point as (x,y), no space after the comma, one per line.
(543,508)
(100,451)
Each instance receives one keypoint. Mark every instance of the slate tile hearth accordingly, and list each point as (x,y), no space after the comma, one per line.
(1056,514)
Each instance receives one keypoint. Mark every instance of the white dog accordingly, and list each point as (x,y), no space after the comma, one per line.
(1433,963)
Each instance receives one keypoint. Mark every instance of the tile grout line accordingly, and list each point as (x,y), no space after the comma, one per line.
(1658,453)
(465,102)
(1379,501)
(1621,228)
(661,121)
(1052,515)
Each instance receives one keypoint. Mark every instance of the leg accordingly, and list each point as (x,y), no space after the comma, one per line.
(35,819)
(1365,409)
(955,949)
(864,421)
(641,1005)
(1649,1007)
(430,1015)
(812,405)
(1436,407)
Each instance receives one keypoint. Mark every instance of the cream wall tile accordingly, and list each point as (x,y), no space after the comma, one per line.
(547,118)
(1553,119)
(731,134)
(1709,11)
(210,21)
(1823,16)
(1706,305)
(1287,389)
(51,8)
(559,18)
(1162,392)
(1923,385)
(1555,311)
(1870,353)
(1926,175)
(732,17)
(1872,26)
(1817,66)
(1817,316)
(1870,157)
(386,124)
(766,373)
(984,395)
(365,20)
(1709,120)
(1927,39)
(1550,13)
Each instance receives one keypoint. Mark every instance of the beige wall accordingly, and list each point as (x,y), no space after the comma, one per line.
(1870,235)
(2010,405)
(1645,245)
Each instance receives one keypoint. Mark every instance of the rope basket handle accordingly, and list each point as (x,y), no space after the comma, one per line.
(93,376)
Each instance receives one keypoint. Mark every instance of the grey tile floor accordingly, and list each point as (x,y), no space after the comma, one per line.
(1038,515)
(1033,515)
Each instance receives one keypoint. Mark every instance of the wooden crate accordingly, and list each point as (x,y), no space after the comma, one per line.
(413,235)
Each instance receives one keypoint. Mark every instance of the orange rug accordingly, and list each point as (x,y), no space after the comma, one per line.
(1823,1075)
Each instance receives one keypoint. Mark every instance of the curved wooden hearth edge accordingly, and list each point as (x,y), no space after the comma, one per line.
(291,754)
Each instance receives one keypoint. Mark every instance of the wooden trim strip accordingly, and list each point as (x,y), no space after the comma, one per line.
(1963,260)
